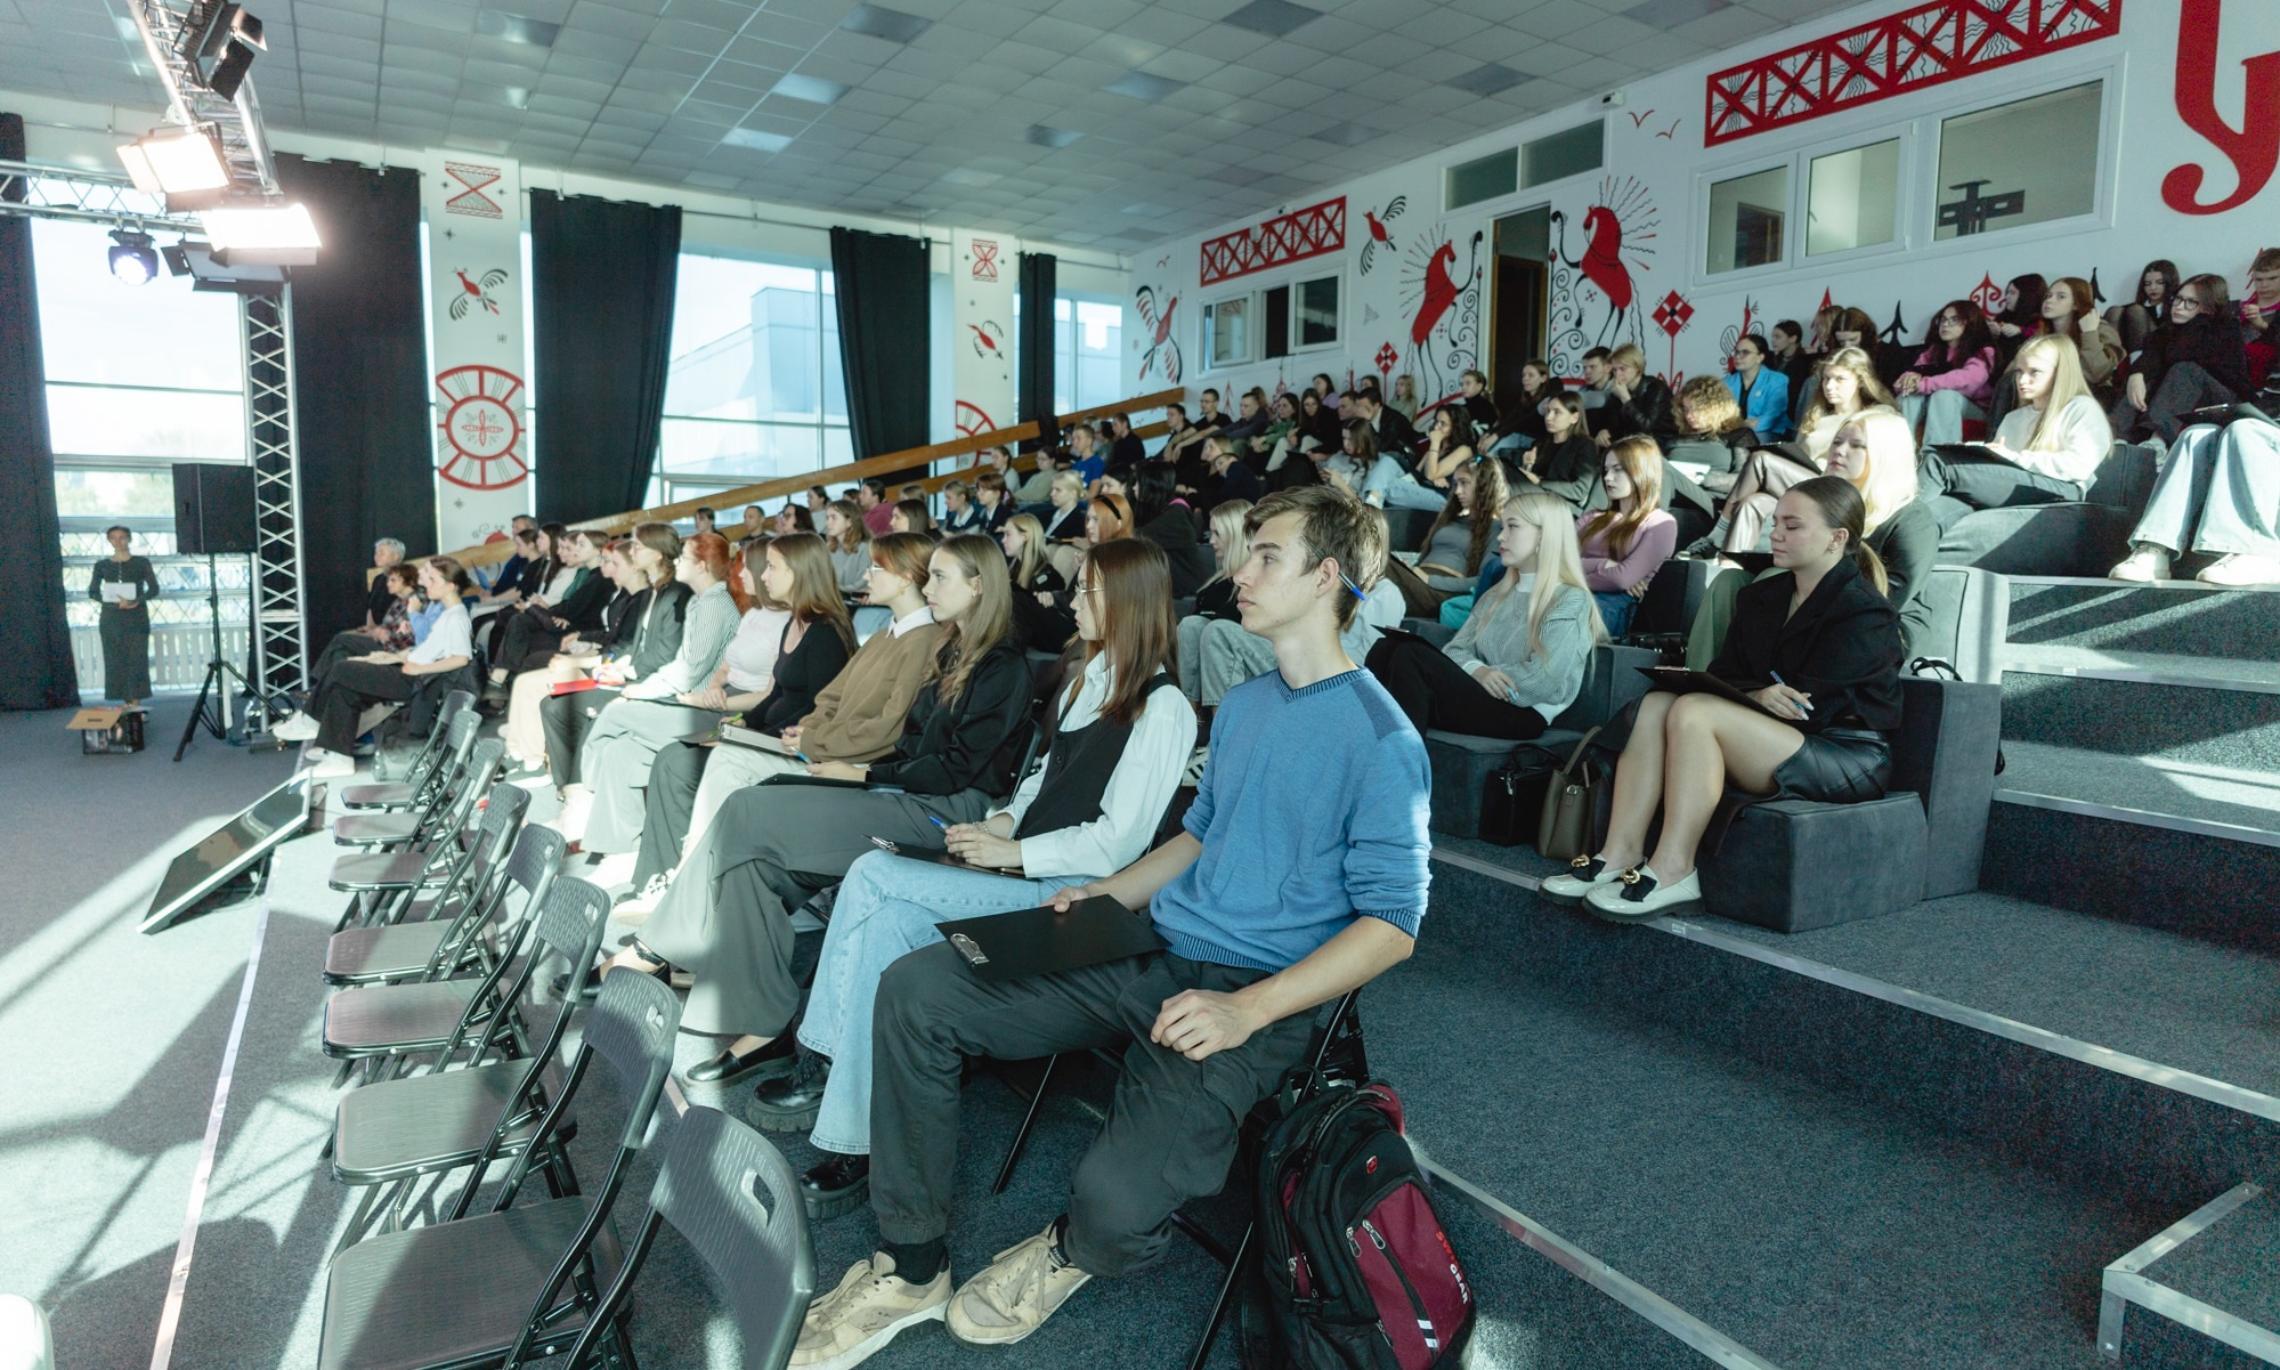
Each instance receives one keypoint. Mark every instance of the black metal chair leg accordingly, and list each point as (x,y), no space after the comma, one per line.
(1226,1299)
(1028,1121)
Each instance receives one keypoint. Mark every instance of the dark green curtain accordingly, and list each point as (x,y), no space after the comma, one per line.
(1035,348)
(602,274)
(35,640)
(360,383)
(881,284)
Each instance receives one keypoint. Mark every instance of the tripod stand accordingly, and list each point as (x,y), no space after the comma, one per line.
(212,708)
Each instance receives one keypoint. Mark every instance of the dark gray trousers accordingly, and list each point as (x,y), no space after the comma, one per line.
(1172,1127)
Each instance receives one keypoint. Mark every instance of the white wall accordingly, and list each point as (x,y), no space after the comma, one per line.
(1658,187)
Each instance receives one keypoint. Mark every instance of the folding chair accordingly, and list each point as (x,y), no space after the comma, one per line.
(383,880)
(732,1197)
(439,945)
(444,811)
(464,1291)
(389,1134)
(1341,1032)
(426,767)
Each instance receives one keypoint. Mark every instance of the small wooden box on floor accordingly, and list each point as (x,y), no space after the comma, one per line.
(108,732)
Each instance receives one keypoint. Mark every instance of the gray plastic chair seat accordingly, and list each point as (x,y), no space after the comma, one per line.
(386,794)
(397,1128)
(375,829)
(366,872)
(397,951)
(452,1294)
(373,1020)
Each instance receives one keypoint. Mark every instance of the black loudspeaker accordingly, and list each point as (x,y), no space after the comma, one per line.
(213,508)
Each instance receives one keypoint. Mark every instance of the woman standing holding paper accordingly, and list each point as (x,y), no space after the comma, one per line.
(124,584)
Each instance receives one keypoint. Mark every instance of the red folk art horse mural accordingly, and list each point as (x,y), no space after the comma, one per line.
(1444,311)
(1617,231)
(2254,147)
(1945,40)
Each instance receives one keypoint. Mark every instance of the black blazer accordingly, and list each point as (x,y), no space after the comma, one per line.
(1842,647)
(963,745)
(1174,530)
(657,635)
(582,607)
(1649,411)
(801,674)
(1044,627)
(1066,523)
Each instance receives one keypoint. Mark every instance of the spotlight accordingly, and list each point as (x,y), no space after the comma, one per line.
(262,233)
(182,166)
(133,260)
(219,41)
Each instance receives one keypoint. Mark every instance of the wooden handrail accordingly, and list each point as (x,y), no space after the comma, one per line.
(492,553)
(934,484)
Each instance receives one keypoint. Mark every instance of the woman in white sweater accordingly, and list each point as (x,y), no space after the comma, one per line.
(2048,449)
(1519,660)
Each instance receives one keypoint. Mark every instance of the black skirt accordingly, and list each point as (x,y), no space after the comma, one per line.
(1838,766)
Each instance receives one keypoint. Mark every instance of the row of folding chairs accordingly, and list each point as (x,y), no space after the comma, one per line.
(442,967)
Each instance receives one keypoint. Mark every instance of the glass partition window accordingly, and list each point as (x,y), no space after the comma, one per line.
(1852,199)
(1482,178)
(1088,353)
(1227,331)
(1315,321)
(1747,215)
(1570,152)
(2026,162)
(755,387)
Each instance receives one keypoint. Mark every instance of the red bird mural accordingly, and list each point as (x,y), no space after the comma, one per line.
(1379,234)
(983,342)
(476,292)
(1162,349)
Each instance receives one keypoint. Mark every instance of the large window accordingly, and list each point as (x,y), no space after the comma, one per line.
(755,390)
(1227,332)
(1852,199)
(2026,162)
(139,377)
(1746,218)
(1088,352)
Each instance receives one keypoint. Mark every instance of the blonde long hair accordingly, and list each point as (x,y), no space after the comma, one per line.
(2066,386)
(1032,554)
(1227,521)
(1890,483)
(1559,564)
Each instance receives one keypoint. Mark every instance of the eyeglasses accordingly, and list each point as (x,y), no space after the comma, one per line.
(1945,319)
(1083,590)
(2187,302)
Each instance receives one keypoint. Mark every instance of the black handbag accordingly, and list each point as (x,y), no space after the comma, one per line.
(1512,798)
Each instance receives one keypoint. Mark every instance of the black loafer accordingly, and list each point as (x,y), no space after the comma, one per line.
(837,1186)
(776,1057)
(789,1104)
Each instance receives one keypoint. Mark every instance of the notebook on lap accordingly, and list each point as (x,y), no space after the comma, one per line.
(1041,941)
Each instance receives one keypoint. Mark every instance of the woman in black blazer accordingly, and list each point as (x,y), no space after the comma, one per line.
(1818,650)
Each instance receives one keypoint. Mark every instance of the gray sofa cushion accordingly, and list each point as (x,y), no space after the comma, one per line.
(1462,763)
(1792,866)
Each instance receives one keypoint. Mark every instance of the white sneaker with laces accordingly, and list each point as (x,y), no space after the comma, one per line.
(871,1305)
(324,765)
(299,728)
(2241,569)
(2145,564)
(1023,1287)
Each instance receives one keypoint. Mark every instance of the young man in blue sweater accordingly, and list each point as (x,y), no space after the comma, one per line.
(1300,874)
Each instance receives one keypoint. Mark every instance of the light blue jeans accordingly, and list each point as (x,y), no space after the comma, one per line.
(1400,489)
(888,907)
(2219,492)
(1941,414)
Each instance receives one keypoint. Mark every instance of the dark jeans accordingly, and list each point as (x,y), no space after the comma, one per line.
(1435,692)
(2184,388)
(566,719)
(343,646)
(526,641)
(1955,485)
(1171,1129)
(670,801)
(352,687)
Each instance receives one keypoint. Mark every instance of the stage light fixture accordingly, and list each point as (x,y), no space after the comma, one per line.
(220,42)
(263,233)
(133,258)
(182,166)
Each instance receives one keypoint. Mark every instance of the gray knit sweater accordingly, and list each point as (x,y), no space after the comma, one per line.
(1497,634)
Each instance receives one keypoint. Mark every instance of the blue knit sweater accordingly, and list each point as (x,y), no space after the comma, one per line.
(1312,812)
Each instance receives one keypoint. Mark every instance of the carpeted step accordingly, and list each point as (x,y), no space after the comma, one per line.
(1814,1224)
(2169,871)
(2228,1266)
(2215,713)
(2178,618)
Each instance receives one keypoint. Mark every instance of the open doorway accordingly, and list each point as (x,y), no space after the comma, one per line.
(1518,308)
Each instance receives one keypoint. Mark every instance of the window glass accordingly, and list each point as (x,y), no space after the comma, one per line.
(1746,220)
(2026,162)
(1483,178)
(1317,315)
(1852,198)
(96,328)
(1570,152)
(116,421)
(1226,331)
(1087,340)
(757,451)
(755,388)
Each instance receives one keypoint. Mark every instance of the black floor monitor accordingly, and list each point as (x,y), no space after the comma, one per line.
(228,851)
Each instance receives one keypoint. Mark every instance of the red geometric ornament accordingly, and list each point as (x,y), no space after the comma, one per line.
(481,432)
(1987,295)
(1310,232)
(1945,40)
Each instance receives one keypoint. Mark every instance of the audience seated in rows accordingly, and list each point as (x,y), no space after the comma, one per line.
(1215,602)
(2193,359)
(1044,615)
(660,624)
(533,630)
(1952,380)
(2047,449)
(356,683)
(1563,461)
(1761,390)
(847,538)
(1624,544)
(580,655)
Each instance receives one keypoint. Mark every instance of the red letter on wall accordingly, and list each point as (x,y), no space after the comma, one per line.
(2253,148)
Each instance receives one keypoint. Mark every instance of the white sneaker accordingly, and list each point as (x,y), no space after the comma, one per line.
(613,870)
(1638,895)
(853,1322)
(2241,569)
(299,728)
(577,806)
(1583,875)
(2146,564)
(324,765)
(636,908)
(1023,1287)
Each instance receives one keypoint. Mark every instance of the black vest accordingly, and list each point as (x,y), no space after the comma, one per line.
(1078,765)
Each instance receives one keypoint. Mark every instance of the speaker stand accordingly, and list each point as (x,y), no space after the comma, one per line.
(212,709)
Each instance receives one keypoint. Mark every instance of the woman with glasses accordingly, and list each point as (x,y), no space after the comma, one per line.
(2045,450)
(2193,361)
(1954,376)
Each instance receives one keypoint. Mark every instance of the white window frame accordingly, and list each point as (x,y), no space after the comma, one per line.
(1916,203)
(1338,325)
(1254,314)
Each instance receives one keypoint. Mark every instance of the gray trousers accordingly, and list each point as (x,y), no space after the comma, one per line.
(727,916)
(1171,1130)
(2219,492)
(615,763)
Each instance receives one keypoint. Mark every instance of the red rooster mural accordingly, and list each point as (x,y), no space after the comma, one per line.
(1163,354)
(1380,235)
(473,293)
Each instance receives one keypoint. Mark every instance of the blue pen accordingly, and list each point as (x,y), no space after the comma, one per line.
(1802,708)
(938,822)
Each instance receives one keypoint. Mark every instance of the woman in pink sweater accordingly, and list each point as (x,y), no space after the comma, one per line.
(1622,544)
(1954,376)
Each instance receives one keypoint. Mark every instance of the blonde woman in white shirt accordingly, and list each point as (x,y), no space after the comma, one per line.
(2046,450)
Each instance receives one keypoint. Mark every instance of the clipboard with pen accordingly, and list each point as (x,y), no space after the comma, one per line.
(1678,680)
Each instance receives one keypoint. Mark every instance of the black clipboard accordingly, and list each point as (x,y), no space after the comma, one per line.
(737,734)
(1678,680)
(938,855)
(1041,941)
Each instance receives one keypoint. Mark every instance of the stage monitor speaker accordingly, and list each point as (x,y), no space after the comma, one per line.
(240,845)
(213,508)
